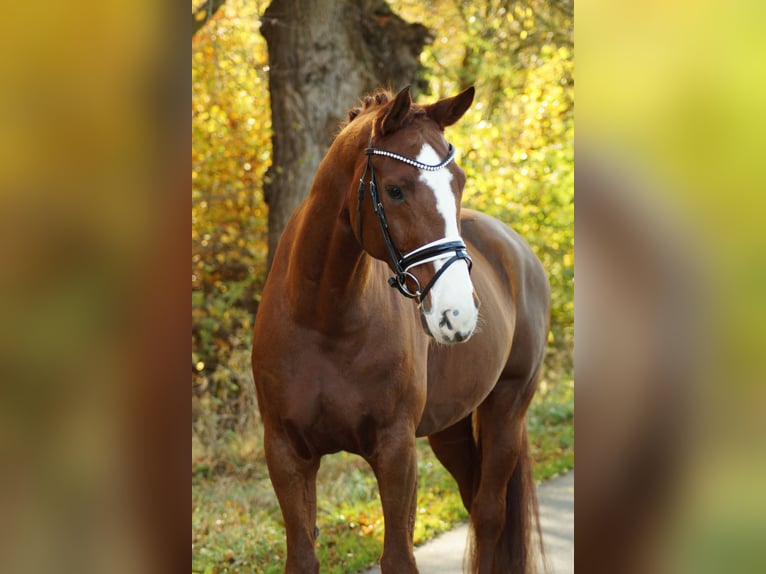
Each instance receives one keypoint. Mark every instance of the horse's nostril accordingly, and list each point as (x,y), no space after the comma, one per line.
(459,337)
(444,321)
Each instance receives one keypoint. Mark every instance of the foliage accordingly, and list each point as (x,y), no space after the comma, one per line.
(550,421)
(230,153)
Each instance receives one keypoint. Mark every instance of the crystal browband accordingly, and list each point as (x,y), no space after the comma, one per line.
(414,162)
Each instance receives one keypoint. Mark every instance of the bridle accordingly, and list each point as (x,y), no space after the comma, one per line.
(433,251)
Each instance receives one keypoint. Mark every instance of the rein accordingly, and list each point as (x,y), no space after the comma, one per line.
(455,249)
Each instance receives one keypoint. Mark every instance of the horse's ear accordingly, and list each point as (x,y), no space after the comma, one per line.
(395,112)
(446,112)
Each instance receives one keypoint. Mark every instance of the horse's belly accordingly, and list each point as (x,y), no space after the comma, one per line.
(459,378)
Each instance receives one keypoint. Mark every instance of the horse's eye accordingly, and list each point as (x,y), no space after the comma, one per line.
(395,192)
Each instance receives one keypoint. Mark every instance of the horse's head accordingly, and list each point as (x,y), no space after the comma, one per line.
(406,210)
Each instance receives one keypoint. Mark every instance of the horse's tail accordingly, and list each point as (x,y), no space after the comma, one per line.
(520,543)
(519,549)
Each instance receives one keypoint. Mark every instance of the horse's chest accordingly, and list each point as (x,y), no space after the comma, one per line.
(335,395)
(336,379)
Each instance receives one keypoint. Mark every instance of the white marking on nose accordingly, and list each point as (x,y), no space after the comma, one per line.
(453,315)
(440,182)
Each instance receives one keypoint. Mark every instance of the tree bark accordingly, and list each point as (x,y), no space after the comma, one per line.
(323,56)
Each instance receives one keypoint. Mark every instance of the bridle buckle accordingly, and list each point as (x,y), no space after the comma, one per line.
(400,283)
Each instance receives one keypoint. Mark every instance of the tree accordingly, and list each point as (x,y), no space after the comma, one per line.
(323,55)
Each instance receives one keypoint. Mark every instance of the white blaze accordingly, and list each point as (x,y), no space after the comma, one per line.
(452,315)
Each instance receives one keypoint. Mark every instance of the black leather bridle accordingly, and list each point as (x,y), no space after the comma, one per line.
(435,250)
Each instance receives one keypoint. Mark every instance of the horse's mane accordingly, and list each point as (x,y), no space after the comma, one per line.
(374,101)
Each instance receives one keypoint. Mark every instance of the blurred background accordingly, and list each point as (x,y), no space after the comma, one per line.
(669,300)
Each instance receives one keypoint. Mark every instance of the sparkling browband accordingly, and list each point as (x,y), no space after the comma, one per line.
(414,162)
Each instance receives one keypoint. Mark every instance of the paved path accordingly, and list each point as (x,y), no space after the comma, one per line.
(444,554)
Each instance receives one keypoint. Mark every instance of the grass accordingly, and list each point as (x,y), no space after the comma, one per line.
(237,526)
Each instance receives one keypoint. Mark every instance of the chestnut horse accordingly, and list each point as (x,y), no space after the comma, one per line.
(343,362)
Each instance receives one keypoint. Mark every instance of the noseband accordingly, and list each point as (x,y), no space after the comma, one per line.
(433,251)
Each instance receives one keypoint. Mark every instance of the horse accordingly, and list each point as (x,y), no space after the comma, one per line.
(343,361)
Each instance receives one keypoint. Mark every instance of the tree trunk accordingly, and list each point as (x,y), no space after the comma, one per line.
(323,56)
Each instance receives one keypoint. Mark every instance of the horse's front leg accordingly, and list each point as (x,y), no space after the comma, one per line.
(395,466)
(293,474)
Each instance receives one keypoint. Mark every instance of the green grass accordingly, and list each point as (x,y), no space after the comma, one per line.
(237,526)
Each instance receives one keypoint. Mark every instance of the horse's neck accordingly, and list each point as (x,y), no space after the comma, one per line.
(328,270)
